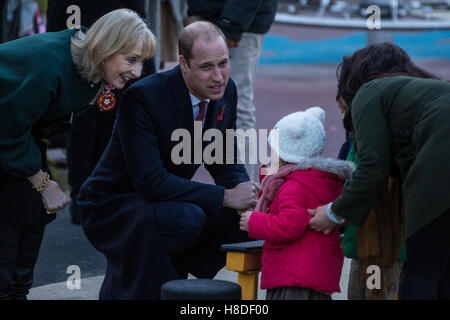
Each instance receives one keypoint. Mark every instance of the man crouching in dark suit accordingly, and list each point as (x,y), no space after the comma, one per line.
(138,207)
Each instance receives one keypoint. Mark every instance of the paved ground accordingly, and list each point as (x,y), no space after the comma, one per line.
(282,86)
(90,287)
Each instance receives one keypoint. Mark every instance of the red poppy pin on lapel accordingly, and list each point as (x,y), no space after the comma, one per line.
(221,112)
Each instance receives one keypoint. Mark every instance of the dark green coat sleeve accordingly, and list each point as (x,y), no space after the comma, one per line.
(373,141)
(39,84)
(25,102)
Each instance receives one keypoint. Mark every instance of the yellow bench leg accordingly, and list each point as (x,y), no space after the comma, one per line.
(249,284)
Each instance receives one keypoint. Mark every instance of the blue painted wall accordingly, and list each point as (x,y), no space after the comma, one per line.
(282,50)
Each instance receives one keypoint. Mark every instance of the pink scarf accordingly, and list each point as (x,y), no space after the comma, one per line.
(270,186)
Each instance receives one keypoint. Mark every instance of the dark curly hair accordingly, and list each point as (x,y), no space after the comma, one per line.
(374,61)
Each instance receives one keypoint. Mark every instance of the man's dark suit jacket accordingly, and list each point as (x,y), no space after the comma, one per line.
(138,157)
(136,169)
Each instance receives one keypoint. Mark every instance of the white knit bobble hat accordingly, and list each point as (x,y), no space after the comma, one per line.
(301,135)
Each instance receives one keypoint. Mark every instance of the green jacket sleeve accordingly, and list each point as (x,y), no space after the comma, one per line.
(25,102)
(373,141)
(39,85)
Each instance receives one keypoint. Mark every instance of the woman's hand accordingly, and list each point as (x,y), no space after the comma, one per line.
(320,221)
(53,197)
(245,217)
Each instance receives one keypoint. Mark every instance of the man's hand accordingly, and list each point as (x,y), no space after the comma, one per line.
(320,220)
(243,196)
(231,43)
(243,223)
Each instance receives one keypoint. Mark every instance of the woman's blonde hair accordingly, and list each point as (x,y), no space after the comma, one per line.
(118,32)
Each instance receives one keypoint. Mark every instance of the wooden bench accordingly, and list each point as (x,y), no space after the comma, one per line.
(245,259)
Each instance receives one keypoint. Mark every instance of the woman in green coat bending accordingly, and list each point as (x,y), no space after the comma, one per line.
(43,79)
(399,120)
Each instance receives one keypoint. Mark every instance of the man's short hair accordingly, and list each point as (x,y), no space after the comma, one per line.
(192,32)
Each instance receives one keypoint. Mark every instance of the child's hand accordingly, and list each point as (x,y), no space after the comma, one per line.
(245,217)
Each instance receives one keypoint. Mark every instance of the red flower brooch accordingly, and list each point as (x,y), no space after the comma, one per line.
(107,100)
(221,112)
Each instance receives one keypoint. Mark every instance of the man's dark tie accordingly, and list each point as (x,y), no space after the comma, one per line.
(201,112)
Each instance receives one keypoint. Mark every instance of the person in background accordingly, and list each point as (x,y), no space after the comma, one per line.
(372,245)
(23,18)
(173,13)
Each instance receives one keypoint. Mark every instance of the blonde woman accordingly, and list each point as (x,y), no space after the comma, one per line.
(44,79)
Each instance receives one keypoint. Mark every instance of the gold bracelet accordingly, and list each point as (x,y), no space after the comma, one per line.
(43,184)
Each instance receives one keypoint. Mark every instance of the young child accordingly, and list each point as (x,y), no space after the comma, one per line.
(297,262)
